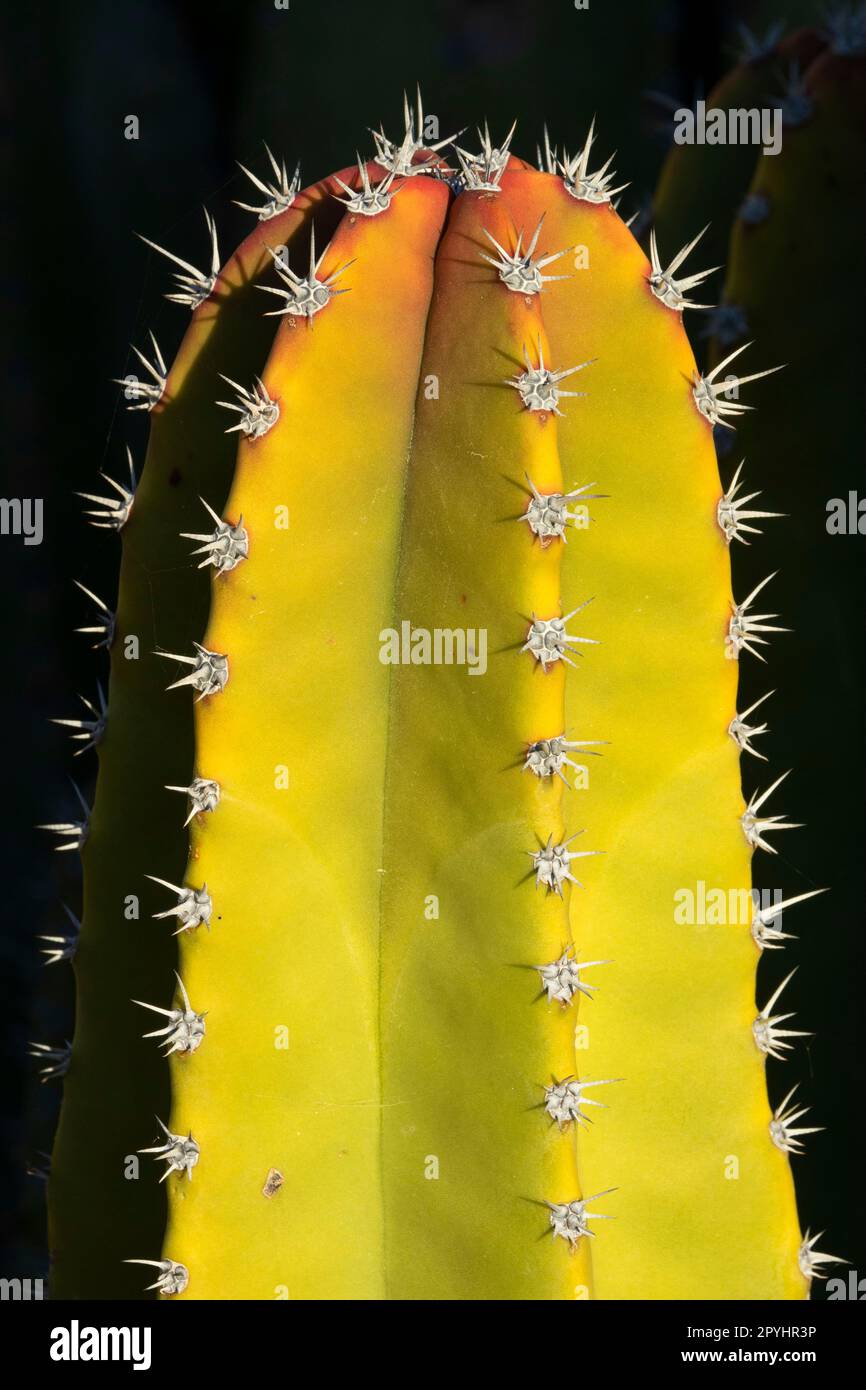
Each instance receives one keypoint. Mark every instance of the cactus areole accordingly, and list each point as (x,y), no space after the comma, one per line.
(433,1001)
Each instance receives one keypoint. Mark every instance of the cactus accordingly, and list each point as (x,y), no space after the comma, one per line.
(383,1039)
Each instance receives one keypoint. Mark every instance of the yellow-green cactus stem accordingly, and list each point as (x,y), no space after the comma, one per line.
(403,879)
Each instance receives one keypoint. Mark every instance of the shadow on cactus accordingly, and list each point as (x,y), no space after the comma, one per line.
(452,589)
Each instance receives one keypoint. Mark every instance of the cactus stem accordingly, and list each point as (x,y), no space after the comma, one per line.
(306,295)
(561,978)
(755,826)
(193,287)
(812,1261)
(56,1060)
(767,937)
(185,1029)
(741,732)
(144,395)
(179,1153)
(707,392)
(670,291)
(225,547)
(173,1277)
(517,270)
(73,834)
(203,794)
(257,411)
(538,386)
(60,948)
(114,514)
(549,642)
(89,732)
(782,1132)
(280,195)
(547,512)
(210,674)
(744,627)
(769,1037)
(367,200)
(194,905)
(731,516)
(586,187)
(569,1220)
(552,863)
(563,1099)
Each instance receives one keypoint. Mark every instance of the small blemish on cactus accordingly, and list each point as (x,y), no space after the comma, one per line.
(273,1183)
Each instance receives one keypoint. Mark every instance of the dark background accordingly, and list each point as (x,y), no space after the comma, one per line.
(209,82)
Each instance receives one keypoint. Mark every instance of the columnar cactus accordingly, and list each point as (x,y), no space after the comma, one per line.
(403,882)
